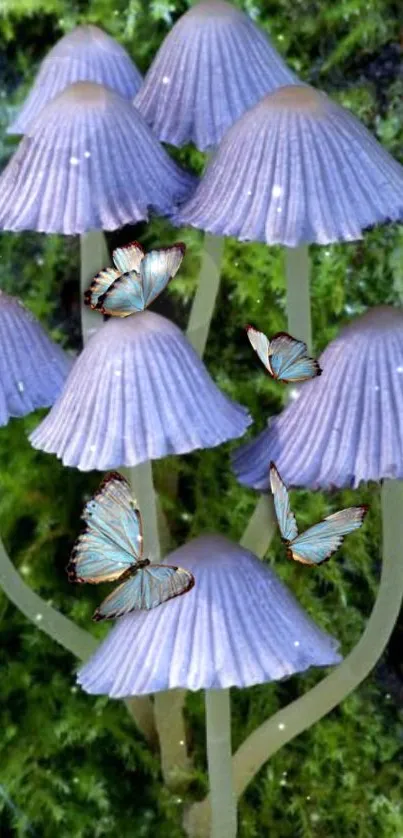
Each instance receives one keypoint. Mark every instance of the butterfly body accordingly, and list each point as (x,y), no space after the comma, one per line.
(285,358)
(318,543)
(110,550)
(137,279)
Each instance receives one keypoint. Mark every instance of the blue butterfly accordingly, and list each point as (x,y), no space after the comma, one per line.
(317,544)
(111,549)
(285,358)
(136,280)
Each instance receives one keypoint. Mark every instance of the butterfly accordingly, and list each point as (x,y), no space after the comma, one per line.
(136,280)
(111,549)
(284,357)
(317,544)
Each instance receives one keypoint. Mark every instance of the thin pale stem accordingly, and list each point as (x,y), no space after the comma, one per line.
(94,256)
(167,704)
(297,273)
(205,297)
(219,759)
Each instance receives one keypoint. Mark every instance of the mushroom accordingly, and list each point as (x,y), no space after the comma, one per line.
(342,429)
(84,54)
(33,369)
(137,392)
(238,626)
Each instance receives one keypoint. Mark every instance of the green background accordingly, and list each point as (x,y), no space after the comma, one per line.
(72,765)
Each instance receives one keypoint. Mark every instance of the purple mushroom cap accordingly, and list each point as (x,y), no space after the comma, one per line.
(33,369)
(85,54)
(88,162)
(214,64)
(137,392)
(296,168)
(237,627)
(346,426)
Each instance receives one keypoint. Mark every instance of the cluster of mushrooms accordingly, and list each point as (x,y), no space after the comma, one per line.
(290,167)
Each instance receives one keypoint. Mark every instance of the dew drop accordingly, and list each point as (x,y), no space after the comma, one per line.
(165,80)
(92,448)
(87,154)
(39,617)
(281,726)
(74,161)
(20,386)
(276,191)
(296,643)
(399,369)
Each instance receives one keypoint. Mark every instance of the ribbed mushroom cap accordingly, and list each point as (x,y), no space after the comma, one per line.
(214,64)
(237,627)
(33,369)
(296,168)
(137,392)
(85,54)
(345,426)
(88,162)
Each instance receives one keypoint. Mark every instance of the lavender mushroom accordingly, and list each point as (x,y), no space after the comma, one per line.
(214,65)
(297,168)
(88,162)
(84,54)
(137,392)
(342,429)
(238,626)
(33,369)
(345,427)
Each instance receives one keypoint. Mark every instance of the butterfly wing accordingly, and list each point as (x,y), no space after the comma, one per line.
(112,540)
(99,286)
(149,587)
(124,296)
(128,258)
(260,344)
(158,268)
(286,519)
(289,359)
(318,543)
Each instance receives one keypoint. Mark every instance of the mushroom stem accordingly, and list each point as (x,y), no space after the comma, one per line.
(219,759)
(206,293)
(167,704)
(94,256)
(301,714)
(297,272)
(64,631)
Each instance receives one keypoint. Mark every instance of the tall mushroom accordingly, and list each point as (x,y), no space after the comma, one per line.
(75,172)
(342,429)
(238,626)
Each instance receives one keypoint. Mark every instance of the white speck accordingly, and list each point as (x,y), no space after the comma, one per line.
(181,742)
(258,301)
(73,689)
(20,386)
(87,154)
(92,448)
(118,372)
(296,643)
(281,726)
(39,617)
(276,191)
(279,209)
(178,800)
(75,780)
(139,538)
(399,369)
(25,570)
(294,394)
(327,252)
(165,80)
(376,388)
(249,192)
(74,161)
(285,773)
(39,261)
(308,797)
(315,817)
(388,696)
(283,782)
